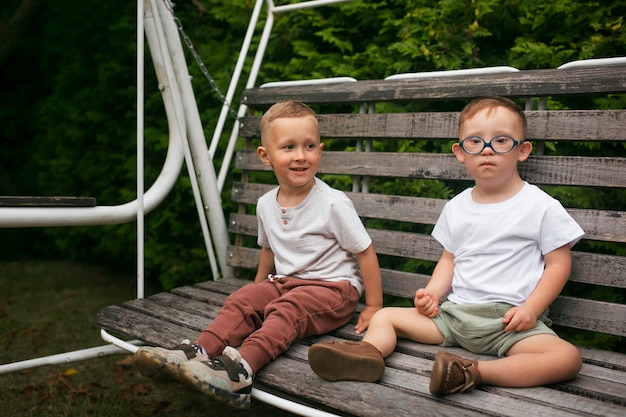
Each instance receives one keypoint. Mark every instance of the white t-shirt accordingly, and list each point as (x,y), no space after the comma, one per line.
(498,248)
(315,239)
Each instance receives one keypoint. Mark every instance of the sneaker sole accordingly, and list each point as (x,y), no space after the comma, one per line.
(154,366)
(215,388)
(336,364)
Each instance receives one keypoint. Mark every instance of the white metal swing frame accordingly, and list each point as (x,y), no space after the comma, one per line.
(186,143)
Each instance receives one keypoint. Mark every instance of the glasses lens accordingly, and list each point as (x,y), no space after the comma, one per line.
(502,144)
(472,144)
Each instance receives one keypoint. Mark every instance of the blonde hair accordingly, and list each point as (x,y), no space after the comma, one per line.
(289,108)
(491,103)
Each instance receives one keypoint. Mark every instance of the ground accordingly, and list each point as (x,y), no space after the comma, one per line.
(49,308)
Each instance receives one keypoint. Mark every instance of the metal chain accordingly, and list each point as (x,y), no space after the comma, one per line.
(170,6)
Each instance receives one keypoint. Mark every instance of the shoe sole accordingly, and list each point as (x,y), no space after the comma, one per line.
(155,366)
(332,363)
(215,388)
(437,384)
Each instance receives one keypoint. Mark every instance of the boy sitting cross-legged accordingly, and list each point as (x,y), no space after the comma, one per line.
(506,257)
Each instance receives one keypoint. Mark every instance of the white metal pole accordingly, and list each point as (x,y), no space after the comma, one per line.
(288,405)
(69,357)
(254,72)
(171,66)
(306,5)
(208,198)
(121,344)
(140,150)
(159,13)
(234,81)
(123,213)
(258,59)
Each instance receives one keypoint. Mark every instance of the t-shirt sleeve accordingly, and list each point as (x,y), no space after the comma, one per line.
(441,231)
(262,239)
(348,227)
(558,228)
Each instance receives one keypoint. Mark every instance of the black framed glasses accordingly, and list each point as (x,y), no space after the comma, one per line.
(499,144)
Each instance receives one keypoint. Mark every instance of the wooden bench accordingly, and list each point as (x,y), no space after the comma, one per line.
(37,201)
(396,166)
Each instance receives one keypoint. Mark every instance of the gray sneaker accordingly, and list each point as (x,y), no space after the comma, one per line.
(223,378)
(161,363)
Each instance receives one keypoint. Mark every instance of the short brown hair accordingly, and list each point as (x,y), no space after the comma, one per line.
(289,108)
(490,103)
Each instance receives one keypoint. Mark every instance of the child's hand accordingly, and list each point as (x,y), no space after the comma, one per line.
(426,303)
(364,319)
(519,319)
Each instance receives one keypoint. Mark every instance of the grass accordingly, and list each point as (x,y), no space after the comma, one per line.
(49,308)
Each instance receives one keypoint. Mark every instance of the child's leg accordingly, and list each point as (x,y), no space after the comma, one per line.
(227,375)
(534,361)
(241,314)
(391,323)
(305,308)
(363,361)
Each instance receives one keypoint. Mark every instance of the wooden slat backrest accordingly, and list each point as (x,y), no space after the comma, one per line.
(532,83)
(572,125)
(547,170)
(400,225)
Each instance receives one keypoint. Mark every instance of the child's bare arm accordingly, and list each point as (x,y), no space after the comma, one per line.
(554,277)
(427,299)
(370,271)
(266,264)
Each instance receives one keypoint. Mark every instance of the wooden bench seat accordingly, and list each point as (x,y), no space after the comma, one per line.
(380,158)
(37,201)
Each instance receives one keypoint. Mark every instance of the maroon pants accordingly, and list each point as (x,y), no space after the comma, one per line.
(265,318)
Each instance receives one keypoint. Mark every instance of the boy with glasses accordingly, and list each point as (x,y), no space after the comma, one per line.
(506,257)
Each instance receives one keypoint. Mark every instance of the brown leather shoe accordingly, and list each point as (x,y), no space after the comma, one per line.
(452,373)
(346,361)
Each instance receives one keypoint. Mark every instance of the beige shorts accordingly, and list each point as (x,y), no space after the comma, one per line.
(479,328)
